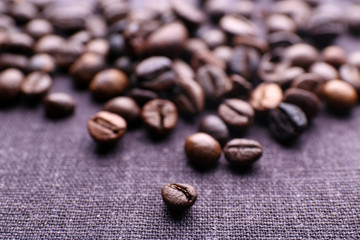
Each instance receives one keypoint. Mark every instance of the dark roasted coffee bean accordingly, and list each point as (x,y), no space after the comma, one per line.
(96,25)
(353,19)
(124,64)
(215,127)
(22,11)
(325,70)
(241,88)
(49,44)
(81,37)
(283,39)
(38,28)
(287,121)
(350,74)
(188,13)
(68,53)
(125,107)
(42,62)
(9,60)
(10,83)
(258,44)
(108,83)
(116,45)
(17,42)
(224,53)
(310,82)
(99,46)
(106,128)
(214,82)
(182,69)
(334,56)
(299,11)
(116,10)
(216,9)
(142,96)
(155,73)
(340,96)
(59,105)
(85,67)
(236,113)
(36,85)
(238,26)
(242,152)
(266,96)
(301,54)
(307,101)
(160,116)
(213,37)
(168,40)
(192,46)
(245,61)
(178,197)
(205,57)
(354,59)
(280,22)
(202,150)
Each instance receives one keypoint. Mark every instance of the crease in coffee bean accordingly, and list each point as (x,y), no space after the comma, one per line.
(106,124)
(183,190)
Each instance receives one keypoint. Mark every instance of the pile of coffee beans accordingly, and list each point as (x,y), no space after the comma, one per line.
(152,63)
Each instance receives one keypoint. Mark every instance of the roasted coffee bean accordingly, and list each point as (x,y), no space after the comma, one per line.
(216,9)
(215,127)
(310,82)
(266,96)
(258,44)
(160,116)
(42,62)
(108,83)
(68,53)
(213,37)
(287,121)
(124,64)
(206,57)
(38,28)
(49,44)
(307,101)
(116,10)
(96,25)
(214,82)
(36,85)
(340,96)
(59,105)
(182,69)
(354,59)
(242,152)
(82,37)
(202,150)
(325,70)
(334,56)
(280,22)
(241,88)
(244,8)
(6,22)
(225,53)
(353,19)
(351,74)
(10,83)
(282,39)
(168,40)
(238,26)
(117,46)
(18,42)
(85,67)
(9,60)
(106,128)
(125,107)
(245,62)
(155,73)
(301,54)
(178,197)
(236,113)
(22,11)
(99,46)
(299,11)
(193,46)
(142,96)
(188,13)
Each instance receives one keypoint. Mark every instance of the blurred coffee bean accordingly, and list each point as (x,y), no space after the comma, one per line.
(85,67)
(216,9)
(258,44)
(214,81)
(36,85)
(206,57)
(194,45)
(49,44)
(6,22)
(242,152)
(354,59)
(8,60)
(108,83)
(236,113)
(334,56)
(182,69)
(42,62)
(81,37)
(116,10)
(116,46)
(22,11)
(299,11)
(244,61)
(124,64)
(280,22)
(213,37)
(311,82)
(99,46)
(350,74)
(241,88)
(325,70)
(17,42)
(68,53)
(10,83)
(96,25)
(307,101)
(59,105)
(188,12)
(125,107)
(282,39)
(244,8)
(41,4)
(224,53)
(238,26)
(340,96)
(266,96)
(142,96)
(38,28)
(353,19)
(215,127)
(301,54)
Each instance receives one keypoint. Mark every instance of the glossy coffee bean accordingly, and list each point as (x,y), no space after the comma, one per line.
(216,9)
(306,100)
(215,127)
(68,53)
(17,42)
(38,28)
(106,128)
(236,113)
(85,67)
(36,85)
(224,53)
(326,71)
(96,25)
(287,121)
(202,150)
(283,39)
(206,57)
(244,61)
(9,60)
(160,116)
(142,96)
(340,96)
(242,152)
(188,13)
(334,56)
(280,22)
(351,74)
(117,45)
(354,59)
(212,37)
(256,43)
(99,46)
(241,88)
(42,62)
(10,83)
(178,197)
(311,82)
(59,105)
(238,26)
(108,83)
(49,44)
(192,47)
(266,96)
(125,107)
(155,73)
(182,69)
(301,54)
(124,64)
(22,11)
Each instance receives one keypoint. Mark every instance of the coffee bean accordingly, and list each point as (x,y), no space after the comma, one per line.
(301,54)
(258,44)
(99,46)
(238,26)
(212,37)
(266,96)
(117,46)
(325,70)
(96,25)
(10,83)
(182,69)
(81,36)
(282,39)
(287,121)
(36,85)
(192,47)
(236,113)
(340,96)
(224,53)
(310,82)
(9,60)
(241,88)
(299,11)
(85,67)
(116,10)
(351,74)
(160,116)
(206,57)
(245,62)
(22,11)
(354,59)
(125,107)
(216,9)
(244,8)
(108,83)
(178,196)
(307,101)
(106,128)
(280,22)
(353,19)
(49,44)
(202,150)
(18,42)
(334,56)
(215,127)
(68,53)
(42,62)
(59,105)
(124,64)
(155,73)
(142,96)
(214,82)
(38,28)
(188,13)
(242,152)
